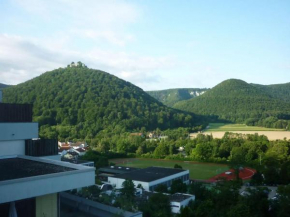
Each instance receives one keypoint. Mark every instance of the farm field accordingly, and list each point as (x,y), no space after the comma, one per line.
(217,130)
(214,127)
(199,171)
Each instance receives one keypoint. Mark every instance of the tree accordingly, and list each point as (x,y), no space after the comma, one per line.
(177,166)
(157,206)
(197,189)
(283,201)
(161,188)
(161,150)
(128,189)
(178,186)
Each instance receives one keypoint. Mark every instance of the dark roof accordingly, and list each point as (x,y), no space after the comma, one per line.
(16,168)
(76,161)
(117,169)
(149,174)
(179,197)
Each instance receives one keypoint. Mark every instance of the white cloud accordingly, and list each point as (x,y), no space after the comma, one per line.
(119,39)
(22,59)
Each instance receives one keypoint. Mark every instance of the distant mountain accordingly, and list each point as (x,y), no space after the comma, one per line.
(78,102)
(171,96)
(237,101)
(2,86)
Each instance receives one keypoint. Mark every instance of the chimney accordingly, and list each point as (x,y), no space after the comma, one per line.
(0,95)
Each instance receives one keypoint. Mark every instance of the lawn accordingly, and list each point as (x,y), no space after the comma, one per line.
(214,127)
(197,170)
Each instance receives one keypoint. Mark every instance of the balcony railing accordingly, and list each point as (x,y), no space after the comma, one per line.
(41,147)
(15,112)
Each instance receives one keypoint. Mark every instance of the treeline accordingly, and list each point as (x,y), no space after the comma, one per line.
(237,101)
(225,200)
(77,103)
(270,158)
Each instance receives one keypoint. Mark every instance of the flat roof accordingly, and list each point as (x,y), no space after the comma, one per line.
(76,161)
(177,197)
(16,168)
(117,169)
(149,174)
(25,177)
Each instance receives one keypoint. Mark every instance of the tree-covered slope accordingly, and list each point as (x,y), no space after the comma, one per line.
(2,86)
(78,102)
(279,91)
(171,96)
(237,101)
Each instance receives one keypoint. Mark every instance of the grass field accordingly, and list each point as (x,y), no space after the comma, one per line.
(197,170)
(215,127)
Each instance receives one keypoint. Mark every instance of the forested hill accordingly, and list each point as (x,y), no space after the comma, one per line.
(2,86)
(279,91)
(171,96)
(237,101)
(78,102)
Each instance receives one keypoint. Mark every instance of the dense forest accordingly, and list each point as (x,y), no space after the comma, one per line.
(237,101)
(77,102)
(279,91)
(171,96)
(2,86)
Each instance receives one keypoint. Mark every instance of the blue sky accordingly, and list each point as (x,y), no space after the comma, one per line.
(153,44)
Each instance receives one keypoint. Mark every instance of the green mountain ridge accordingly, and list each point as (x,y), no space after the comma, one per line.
(237,101)
(2,86)
(279,91)
(78,102)
(170,97)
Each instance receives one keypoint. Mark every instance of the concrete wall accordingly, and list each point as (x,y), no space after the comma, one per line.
(176,206)
(94,208)
(16,147)
(118,183)
(47,205)
(18,131)
(146,185)
(175,176)
(18,189)
(52,157)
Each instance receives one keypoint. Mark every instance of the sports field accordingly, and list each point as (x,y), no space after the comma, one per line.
(199,171)
(215,127)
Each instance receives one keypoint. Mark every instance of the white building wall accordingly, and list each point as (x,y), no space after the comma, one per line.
(16,147)
(176,206)
(146,185)
(18,131)
(159,181)
(118,183)
(18,189)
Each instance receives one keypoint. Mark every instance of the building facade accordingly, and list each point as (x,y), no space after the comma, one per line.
(151,177)
(31,174)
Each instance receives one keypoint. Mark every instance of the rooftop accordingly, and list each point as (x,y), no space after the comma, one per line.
(16,168)
(179,197)
(26,177)
(149,174)
(117,169)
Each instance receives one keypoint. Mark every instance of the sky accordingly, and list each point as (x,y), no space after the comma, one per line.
(153,44)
